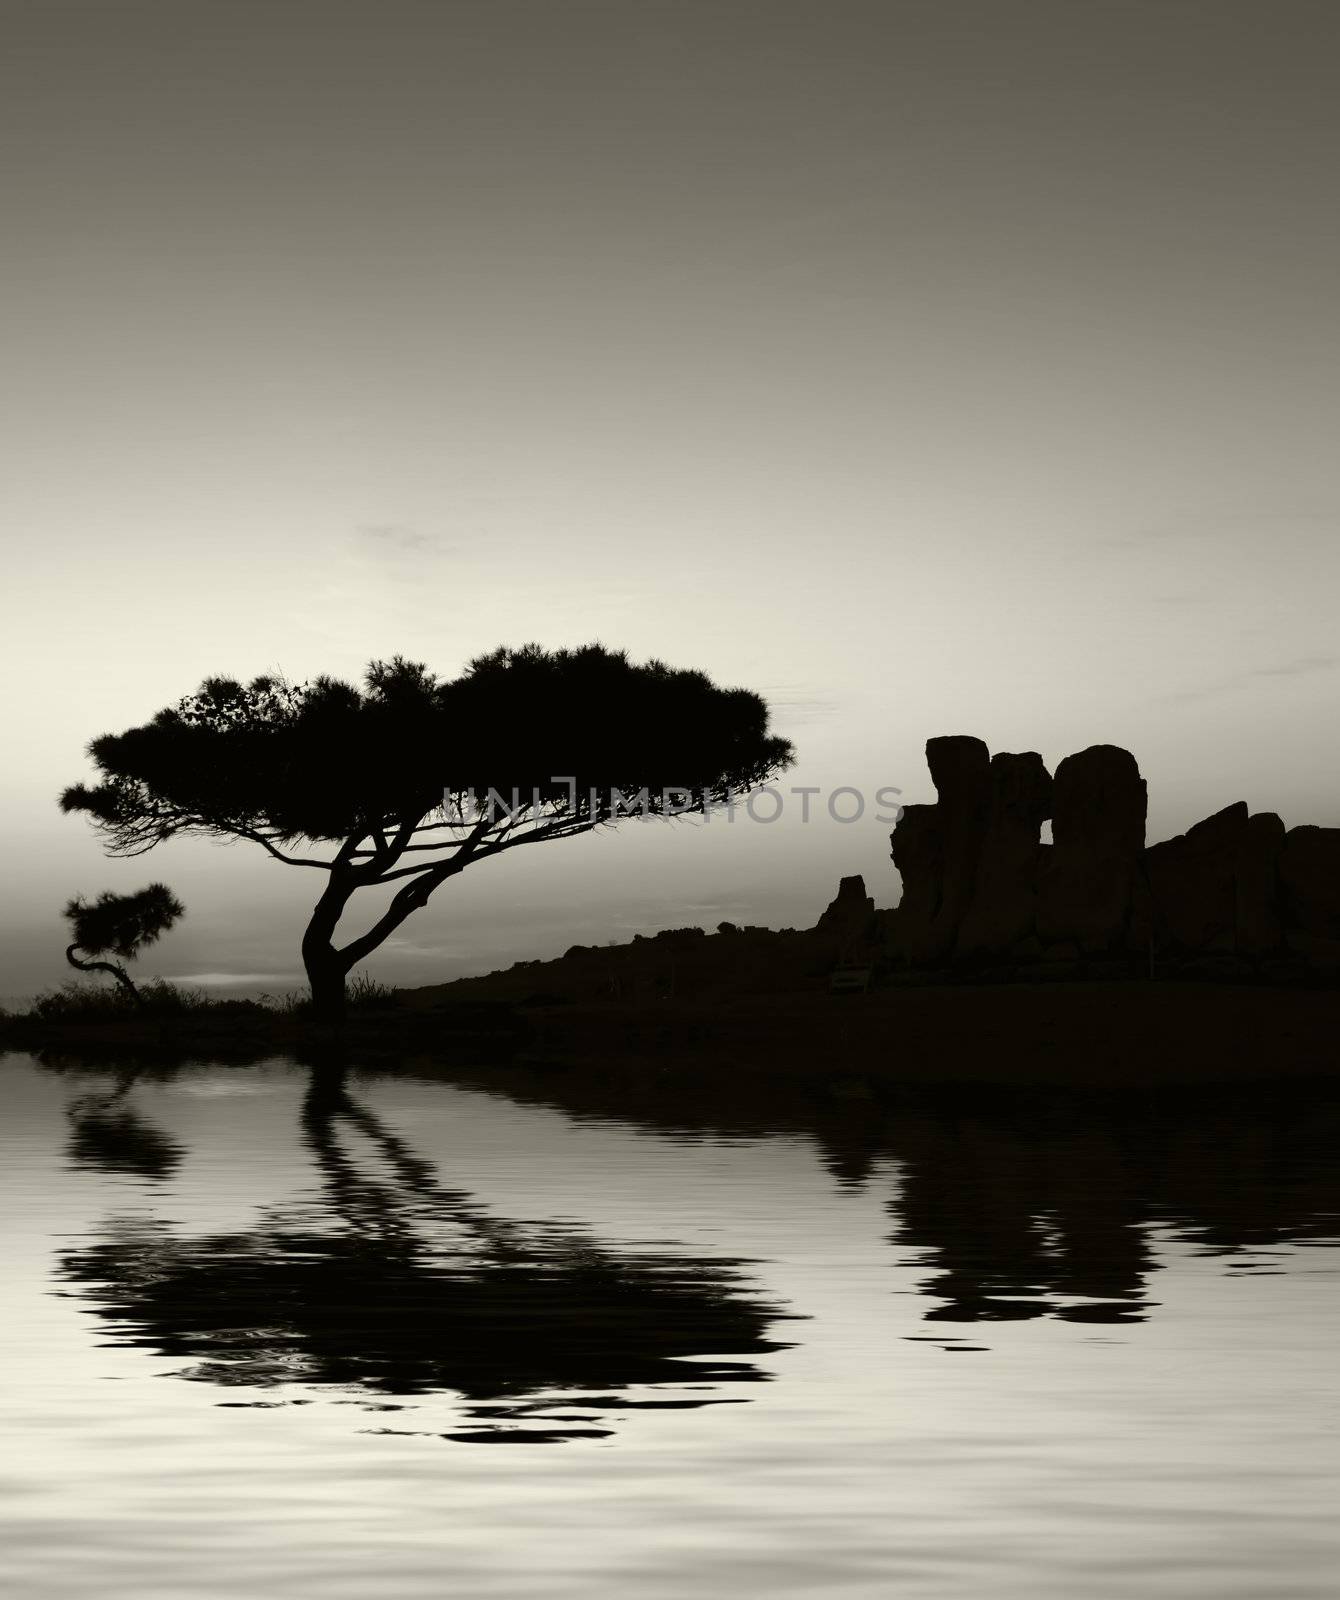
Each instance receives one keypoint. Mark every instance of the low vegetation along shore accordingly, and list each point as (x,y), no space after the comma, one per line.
(754,1006)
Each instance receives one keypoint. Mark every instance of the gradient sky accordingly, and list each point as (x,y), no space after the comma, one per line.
(930,367)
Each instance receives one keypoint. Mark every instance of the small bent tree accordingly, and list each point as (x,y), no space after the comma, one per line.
(412,779)
(120,925)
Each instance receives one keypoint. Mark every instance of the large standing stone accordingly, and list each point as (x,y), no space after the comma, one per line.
(1003,911)
(978,882)
(1260,926)
(918,853)
(936,848)
(1310,882)
(851,915)
(961,772)
(1193,883)
(1098,834)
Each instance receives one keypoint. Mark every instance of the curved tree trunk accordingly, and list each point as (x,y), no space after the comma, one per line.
(119,973)
(326,966)
(325,976)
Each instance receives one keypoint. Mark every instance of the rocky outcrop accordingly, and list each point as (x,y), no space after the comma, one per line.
(936,848)
(1002,910)
(1309,869)
(850,917)
(980,886)
(961,772)
(918,853)
(1259,915)
(1087,890)
(1193,884)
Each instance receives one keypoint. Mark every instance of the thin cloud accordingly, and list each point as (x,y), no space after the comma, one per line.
(210,980)
(1147,538)
(416,950)
(797,708)
(391,536)
(1305,666)
(399,553)
(1302,667)
(1236,525)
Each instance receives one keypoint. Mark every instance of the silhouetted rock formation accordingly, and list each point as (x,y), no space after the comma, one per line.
(850,917)
(1309,871)
(1098,834)
(1260,926)
(918,853)
(980,886)
(937,848)
(1193,884)
(961,772)
(1003,909)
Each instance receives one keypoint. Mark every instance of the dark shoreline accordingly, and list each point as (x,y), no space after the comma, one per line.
(1077,1034)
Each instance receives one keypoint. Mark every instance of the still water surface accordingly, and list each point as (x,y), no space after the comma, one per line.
(280,1332)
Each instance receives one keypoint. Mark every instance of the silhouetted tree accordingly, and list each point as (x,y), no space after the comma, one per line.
(120,925)
(403,776)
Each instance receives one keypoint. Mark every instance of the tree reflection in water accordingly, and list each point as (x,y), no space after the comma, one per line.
(1006,1204)
(392,1285)
(107,1135)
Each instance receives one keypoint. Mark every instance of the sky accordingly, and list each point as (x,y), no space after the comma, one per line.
(927,367)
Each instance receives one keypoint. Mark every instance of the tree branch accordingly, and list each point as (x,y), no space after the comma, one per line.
(289,861)
(415,893)
(464,851)
(567,829)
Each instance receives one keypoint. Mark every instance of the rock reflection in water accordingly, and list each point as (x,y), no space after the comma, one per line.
(1052,1206)
(1026,1202)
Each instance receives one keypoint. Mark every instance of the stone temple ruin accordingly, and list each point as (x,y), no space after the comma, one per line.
(980,888)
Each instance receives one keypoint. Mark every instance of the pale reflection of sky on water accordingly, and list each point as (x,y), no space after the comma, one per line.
(260,1323)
